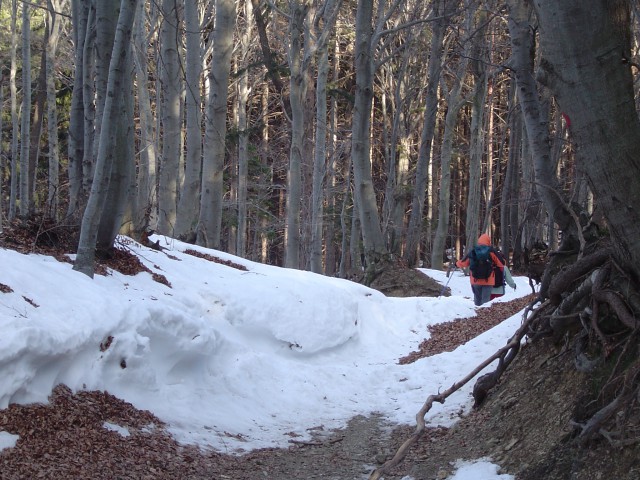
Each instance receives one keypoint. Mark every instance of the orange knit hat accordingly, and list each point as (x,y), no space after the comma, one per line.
(484,239)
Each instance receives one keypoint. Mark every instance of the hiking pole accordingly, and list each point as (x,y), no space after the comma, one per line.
(451,267)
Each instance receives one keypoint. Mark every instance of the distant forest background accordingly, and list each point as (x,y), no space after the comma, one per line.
(324,135)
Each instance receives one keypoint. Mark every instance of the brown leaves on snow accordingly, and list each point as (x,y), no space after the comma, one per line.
(446,337)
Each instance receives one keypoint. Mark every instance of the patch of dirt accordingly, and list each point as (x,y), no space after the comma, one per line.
(400,281)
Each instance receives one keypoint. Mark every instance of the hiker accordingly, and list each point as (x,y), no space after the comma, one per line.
(481,260)
(502,277)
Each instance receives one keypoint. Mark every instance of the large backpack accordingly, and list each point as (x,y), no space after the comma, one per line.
(480,262)
(500,281)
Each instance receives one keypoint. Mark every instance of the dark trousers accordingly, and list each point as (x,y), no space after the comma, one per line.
(481,293)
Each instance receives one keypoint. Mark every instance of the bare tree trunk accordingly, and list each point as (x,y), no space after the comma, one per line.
(118,81)
(15,131)
(187,219)
(171,120)
(298,88)
(264,142)
(397,195)
(144,213)
(210,225)
(319,160)
(476,147)
(121,192)
(243,140)
(80,12)
(434,70)
(54,20)
(374,245)
(331,261)
(25,124)
(2,156)
(3,161)
(455,102)
(39,97)
(93,85)
(522,43)
(509,194)
(585,49)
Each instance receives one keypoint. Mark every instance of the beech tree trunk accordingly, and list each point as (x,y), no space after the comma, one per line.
(210,226)
(478,68)
(186,221)
(320,154)
(298,86)
(586,49)
(145,209)
(115,111)
(374,245)
(15,130)
(94,80)
(509,194)
(3,162)
(455,103)
(80,12)
(54,20)
(171,118)
(243,134)
(39,98)
(535,120)
(25,124)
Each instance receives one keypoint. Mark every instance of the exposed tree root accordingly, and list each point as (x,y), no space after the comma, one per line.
(592,304)
(562,281)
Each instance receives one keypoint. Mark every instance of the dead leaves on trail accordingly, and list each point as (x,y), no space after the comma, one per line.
(96,435)
(446,337)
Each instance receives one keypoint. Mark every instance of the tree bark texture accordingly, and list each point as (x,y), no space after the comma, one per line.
(585,63)
(320,152)
(374,245)
(210,224)
(101,186)
(478,68)
(53,27)
(243,135)
(145,206)
(171,117)
(297,85)
(535,120)
(92,96)
(15,129)
(25,124)
(187,218)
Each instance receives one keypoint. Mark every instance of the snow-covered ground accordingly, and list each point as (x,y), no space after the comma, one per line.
(232,359)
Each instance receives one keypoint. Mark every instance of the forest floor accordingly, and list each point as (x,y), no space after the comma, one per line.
(524,425)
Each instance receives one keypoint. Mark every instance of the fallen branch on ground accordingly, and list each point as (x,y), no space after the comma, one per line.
(512,345)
